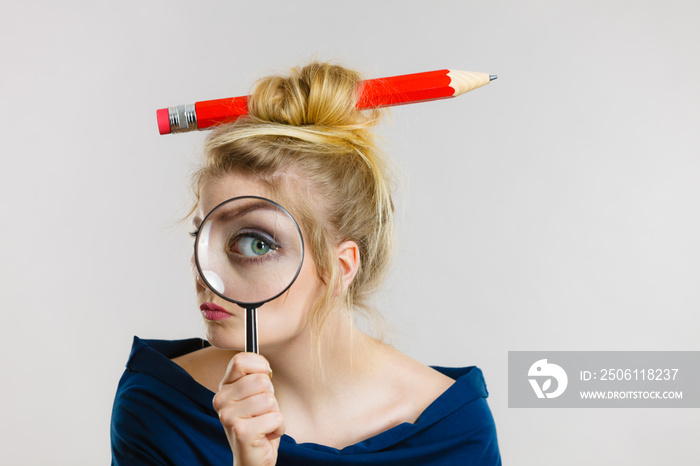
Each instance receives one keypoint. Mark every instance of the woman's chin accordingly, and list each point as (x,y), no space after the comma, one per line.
(224,339)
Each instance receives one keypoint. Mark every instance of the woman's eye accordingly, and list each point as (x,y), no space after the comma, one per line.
(251,246)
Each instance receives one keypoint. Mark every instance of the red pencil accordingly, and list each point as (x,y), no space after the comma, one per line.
(382,92)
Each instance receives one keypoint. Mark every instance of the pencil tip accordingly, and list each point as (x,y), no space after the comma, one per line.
(492,77)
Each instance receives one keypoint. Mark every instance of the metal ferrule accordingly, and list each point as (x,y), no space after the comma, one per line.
(182,118)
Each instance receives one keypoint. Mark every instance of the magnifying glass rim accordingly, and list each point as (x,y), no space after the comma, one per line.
(212,288)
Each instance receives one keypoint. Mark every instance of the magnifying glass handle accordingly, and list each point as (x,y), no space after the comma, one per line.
(251,330)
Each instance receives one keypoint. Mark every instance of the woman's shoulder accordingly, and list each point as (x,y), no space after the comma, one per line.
(450,404)
(164,361)
(150,370)
(416,414)
(160,414)
(440,395)
(417,385)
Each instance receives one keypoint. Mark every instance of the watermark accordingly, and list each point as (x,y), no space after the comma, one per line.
(604,379)
(543,369)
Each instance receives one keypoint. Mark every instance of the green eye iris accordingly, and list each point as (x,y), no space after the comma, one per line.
(250,246)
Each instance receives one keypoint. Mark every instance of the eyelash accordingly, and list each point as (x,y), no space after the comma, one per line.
(271,242)
(255,260)
(274,245)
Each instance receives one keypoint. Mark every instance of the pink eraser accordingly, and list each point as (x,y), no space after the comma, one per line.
(163,121)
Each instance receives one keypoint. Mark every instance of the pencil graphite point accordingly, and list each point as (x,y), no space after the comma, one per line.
(465,81)
(492,77)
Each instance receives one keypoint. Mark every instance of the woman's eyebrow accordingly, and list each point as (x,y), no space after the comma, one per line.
(196,221)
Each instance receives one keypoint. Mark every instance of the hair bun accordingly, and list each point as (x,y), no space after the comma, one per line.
(319,94)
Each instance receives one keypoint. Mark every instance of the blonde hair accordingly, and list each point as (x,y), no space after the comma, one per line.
(303,135)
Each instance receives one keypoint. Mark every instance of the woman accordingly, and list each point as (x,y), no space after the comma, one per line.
(338,396)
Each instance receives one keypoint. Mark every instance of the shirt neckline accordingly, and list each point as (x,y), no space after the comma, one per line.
(153,357)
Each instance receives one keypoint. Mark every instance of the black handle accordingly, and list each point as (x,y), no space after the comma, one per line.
(251,330)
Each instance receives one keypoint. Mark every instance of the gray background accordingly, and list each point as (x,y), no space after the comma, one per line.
(554,209)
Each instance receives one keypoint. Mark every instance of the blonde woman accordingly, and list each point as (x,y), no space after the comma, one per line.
(338,395)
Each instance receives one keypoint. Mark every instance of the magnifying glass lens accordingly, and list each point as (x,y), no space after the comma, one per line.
(249,250)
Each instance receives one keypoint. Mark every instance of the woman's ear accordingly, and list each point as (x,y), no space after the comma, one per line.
(349,256)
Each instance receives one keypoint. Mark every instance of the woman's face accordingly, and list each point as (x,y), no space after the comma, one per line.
(280,320)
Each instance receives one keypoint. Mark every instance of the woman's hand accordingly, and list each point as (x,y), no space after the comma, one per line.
(249,412)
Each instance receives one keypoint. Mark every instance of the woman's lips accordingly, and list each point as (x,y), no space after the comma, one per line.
(211,311)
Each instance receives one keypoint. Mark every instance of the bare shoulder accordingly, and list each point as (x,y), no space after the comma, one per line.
(417,384)
(207,366)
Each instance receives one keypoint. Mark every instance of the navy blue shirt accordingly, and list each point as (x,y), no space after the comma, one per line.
(161,415)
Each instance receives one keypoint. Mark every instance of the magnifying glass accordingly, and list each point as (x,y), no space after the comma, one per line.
(249,250)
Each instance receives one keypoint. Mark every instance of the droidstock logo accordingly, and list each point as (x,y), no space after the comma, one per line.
(546,371)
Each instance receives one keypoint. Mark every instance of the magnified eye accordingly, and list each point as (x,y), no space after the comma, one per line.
(251,245)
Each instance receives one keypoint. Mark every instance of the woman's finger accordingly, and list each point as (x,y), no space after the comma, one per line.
(249,433)
(247,386)
(245,363)
(252,406)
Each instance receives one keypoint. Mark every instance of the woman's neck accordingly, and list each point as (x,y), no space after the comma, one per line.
(312,377)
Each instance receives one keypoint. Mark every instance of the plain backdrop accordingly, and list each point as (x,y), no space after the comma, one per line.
(554,209)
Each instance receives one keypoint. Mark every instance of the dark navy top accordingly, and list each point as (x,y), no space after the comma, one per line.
(161,415)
